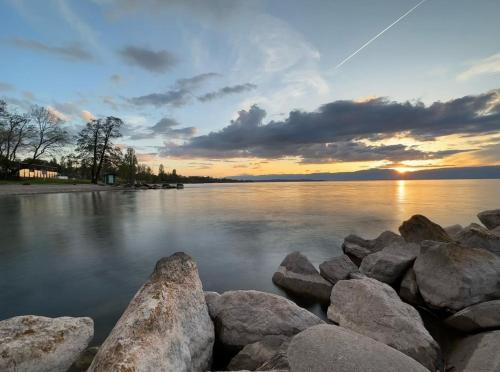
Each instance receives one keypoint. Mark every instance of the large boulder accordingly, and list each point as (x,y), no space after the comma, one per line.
(389,264)
(419,228)
(211,299)
(245,317)
(337,268)
(253,356)
(374,309)
(476,317)
(330,348)
(479,237)
(452,277)
(166,326)
(490,219)
(297,275)
(358,248)
(36,343)
(477,353)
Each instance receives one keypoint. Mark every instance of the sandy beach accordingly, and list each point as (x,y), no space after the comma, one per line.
(16,189)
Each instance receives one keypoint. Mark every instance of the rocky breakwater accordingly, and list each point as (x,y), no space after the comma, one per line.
(425,300)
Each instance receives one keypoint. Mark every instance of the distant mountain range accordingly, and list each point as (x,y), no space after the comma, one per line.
(383,174)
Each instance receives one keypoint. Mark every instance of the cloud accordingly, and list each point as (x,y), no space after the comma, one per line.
(153,61)
(6,87)
(486,66)
(164,128)
(336,131)
(87,115)
(58,114)
(116,79)
(71,52)
(179,95)
(226,91)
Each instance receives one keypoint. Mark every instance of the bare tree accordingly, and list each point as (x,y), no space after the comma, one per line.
(95,143)
(47,134)
(14,131)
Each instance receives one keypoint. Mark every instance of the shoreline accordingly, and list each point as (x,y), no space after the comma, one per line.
(36,189)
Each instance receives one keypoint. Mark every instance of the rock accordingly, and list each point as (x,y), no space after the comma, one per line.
(85,359)
(337,268)
(297,275)
(389,264)
(419,228)
(245,317)
(476,317)
(36,343)
(166,326)
(374,309)
(490,219)
(408,290)
(479,237)
(211,299)
(330,348)
(252,356)
(358,248)
(476,353)
(452,277)
(453,230)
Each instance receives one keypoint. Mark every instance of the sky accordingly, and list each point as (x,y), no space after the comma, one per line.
(232,87)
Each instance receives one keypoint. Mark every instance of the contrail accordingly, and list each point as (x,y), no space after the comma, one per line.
(379,34)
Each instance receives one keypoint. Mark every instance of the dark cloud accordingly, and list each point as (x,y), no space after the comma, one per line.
(73,52)
(153,61)
(116,79)
(165,128)
(226,91)
(6,87)
(179,95)
(335,132)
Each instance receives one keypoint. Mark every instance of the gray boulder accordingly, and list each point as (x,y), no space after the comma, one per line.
(297,275)
(408,290)
(490,219)
(36,343)
(330,348)
(453,230)
(476,317)
(166,326)
(479,237)
(477,353)
(374,309)
(358,248)
(245,317)
(452,277)
(211,299)
(389,264)
(255,355)
(337,268)
(419,228)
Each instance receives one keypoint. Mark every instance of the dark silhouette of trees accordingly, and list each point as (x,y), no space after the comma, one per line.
(95,146)
(47,134)
(128,167)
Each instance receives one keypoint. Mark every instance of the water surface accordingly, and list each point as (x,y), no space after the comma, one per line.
(86,254)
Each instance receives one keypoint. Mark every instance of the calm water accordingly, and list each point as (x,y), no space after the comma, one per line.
(88,253)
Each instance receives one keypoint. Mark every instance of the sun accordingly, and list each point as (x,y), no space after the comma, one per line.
(401,170)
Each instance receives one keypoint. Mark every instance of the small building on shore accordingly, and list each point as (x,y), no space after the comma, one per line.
(110,178)
(28,170)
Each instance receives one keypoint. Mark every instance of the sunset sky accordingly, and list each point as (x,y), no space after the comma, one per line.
(231,87)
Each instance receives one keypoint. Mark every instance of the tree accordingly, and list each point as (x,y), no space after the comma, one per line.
(128,168)
(161,173)
(95,144)
(47,134)
(14,130)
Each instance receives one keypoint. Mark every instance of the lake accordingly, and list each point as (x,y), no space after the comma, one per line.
(86,254)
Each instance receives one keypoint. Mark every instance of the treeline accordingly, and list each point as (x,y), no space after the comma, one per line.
(37,135)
